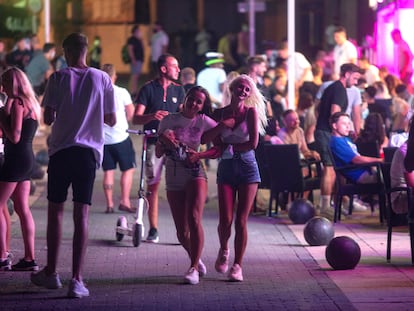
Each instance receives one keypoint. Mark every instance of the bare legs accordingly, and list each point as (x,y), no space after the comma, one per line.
(19,192)
(327,184)
(125,182)
(54,236)
(133,83)
(153,205)
(108,187)
(20,198)
(227,194)
(187,210)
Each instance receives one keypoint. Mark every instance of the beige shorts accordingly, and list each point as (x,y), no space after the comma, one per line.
(178,176)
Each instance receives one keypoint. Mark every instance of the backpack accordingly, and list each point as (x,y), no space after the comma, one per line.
(125,55)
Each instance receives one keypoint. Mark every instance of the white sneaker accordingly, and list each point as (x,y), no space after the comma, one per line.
(51,281)
(235,273)
(222,261)
(202,269)
(192,276)
(358,207)
(77,289)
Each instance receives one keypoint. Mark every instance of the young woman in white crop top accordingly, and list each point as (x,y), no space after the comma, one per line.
(237,173)
(180,135)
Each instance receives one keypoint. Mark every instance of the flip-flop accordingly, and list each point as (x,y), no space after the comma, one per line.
(125,208)
(109,210)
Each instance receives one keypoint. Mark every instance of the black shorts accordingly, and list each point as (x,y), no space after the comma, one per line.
(74,166)
(122,153)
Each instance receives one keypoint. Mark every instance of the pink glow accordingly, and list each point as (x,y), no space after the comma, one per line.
(389,18)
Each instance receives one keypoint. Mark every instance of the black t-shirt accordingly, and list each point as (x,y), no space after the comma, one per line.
(137,46)
(383,107)
(335,93)
(151,95)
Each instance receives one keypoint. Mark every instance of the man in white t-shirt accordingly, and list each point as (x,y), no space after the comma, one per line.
(118,148)
(303,68)
(212,78)
(159,44)
(344,51)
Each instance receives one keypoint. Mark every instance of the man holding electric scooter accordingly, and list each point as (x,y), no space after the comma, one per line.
(156,99)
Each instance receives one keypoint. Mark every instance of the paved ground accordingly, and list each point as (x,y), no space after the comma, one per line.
(281,271)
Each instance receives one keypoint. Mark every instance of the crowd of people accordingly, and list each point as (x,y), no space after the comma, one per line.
(224,110)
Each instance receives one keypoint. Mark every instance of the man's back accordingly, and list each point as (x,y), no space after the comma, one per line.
(80,97)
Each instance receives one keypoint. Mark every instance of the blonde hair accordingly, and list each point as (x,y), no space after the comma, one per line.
(256,100)
(226,90)
(19,86)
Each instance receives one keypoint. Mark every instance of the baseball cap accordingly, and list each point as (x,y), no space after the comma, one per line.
(214,58)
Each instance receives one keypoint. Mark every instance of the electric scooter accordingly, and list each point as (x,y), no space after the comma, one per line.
(136,228)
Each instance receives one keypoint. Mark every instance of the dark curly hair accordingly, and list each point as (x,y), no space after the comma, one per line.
(374,129)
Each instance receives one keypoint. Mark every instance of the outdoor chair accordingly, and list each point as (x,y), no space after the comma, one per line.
(347,187)
(389,153)
(286,173)
(263,169)
(394,219)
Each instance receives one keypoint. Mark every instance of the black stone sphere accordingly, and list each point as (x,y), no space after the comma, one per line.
(300,211)
(318,231)
(343,253)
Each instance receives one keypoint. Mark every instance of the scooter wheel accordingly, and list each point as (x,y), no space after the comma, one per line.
(120,223)
(137,235)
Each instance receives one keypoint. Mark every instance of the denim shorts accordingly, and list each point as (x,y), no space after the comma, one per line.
(241,169)
(136,69)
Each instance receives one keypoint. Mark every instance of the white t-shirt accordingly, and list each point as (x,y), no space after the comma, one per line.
(158,41)
(187,131)
(210,78)
(301,64)
(117,133)
(372,74)
(343,54)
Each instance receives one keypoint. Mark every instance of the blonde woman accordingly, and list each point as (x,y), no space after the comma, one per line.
(237,173)
(19,122)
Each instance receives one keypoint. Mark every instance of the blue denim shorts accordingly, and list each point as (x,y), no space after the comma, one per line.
(241,169)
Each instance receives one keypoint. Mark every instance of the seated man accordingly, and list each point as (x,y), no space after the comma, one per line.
(292,133)
(345,151)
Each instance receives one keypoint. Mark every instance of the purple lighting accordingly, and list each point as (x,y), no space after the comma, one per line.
(389,17)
